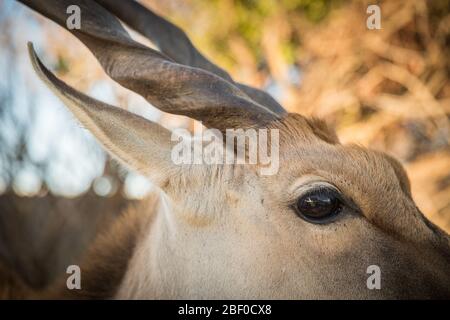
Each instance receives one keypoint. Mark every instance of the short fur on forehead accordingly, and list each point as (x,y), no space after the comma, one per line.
(296,126)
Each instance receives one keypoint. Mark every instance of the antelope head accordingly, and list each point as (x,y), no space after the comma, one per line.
(226,231)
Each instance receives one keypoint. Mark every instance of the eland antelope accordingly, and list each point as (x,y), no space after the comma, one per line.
(310,231)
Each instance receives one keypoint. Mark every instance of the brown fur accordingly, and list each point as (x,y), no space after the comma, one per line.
(106,262)
(103,265)
(12,286)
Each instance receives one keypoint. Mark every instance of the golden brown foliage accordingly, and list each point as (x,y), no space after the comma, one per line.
(386,89)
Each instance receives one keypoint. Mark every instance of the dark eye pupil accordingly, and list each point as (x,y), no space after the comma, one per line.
(317,205)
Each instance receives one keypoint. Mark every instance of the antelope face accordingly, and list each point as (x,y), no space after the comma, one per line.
(352,209)
(311,230)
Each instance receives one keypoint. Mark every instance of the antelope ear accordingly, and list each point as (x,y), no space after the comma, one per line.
(138,143)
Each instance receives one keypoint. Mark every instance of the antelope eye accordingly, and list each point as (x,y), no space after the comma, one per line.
(319,206)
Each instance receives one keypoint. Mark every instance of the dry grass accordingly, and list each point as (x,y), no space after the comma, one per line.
(386,89)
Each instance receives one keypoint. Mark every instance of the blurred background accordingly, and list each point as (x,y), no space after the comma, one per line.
(385,89)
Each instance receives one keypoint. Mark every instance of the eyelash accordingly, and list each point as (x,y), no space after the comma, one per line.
(321,189)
